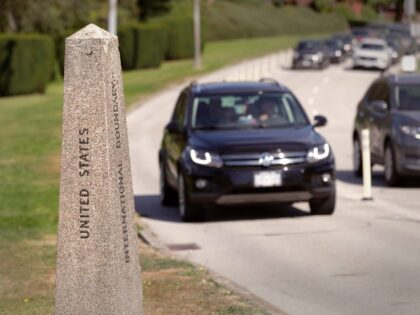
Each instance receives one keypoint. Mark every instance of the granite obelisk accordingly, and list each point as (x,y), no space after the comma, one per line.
(97,252)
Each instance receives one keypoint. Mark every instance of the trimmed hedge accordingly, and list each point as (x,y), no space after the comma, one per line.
(5,47)
(142,45)
(146,45)
(149,45)
(126,37)
(26,63)
(180,37)
(234,19)
(60,47)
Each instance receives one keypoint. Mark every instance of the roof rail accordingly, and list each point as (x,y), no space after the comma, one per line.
(269,80)
(193,83)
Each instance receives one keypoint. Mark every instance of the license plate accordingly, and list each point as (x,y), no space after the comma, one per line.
(306,63)
(267,179)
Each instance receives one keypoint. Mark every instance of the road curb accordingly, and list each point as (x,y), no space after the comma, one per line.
(147,236)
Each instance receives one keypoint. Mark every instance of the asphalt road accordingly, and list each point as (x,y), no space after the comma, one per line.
(365,259)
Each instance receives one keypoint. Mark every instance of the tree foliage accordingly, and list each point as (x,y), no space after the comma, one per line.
(44,16)
(324,6)
(55,17)
(150,8)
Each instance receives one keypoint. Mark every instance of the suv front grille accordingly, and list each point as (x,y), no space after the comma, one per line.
(368,58)
(265,159)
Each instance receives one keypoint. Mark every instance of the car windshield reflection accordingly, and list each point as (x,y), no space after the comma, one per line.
(408,97)
(222,112)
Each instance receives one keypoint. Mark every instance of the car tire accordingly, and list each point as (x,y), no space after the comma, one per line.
(392,178)
(168,194)
(357,158)
(188,211)
(324,206)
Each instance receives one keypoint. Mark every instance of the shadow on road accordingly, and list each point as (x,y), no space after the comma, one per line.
(347,176)
(361,70)
(149,206)
(314,70)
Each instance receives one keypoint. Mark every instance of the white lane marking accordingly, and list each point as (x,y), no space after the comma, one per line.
(314,112)
(315,90)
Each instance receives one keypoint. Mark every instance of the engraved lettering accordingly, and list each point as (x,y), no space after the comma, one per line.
(84,158)
(116,114)
(84,216)
(123,203)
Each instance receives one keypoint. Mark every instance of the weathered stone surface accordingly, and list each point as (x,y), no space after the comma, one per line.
(97,253)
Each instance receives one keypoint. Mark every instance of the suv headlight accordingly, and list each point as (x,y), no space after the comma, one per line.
(411,131)
(202,157)
(318,153)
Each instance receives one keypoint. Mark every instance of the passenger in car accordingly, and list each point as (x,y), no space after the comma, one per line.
(221,115)
(203,118)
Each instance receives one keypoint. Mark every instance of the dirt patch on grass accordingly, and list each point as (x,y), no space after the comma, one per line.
(170,286)
(173,286)
(27,273)
(52,164)
(22,265)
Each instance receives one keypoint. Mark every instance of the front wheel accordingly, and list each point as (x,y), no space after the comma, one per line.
(392,177)
(324,206)
(167,193)
(189,212)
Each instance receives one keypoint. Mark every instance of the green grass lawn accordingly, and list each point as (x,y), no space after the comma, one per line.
(216,55)
(30,129)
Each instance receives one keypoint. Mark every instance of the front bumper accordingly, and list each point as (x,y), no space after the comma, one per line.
(235,186)
(370,64)
(307,63)
(408,156)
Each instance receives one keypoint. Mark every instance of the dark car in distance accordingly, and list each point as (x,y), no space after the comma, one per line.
(347,42)
(334,50)
(397,50)
(310,54)
(390,110)
(244,143)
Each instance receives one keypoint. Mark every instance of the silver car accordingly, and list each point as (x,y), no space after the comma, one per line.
(372,53)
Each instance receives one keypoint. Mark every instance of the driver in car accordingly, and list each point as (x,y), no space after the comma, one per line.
(268,113)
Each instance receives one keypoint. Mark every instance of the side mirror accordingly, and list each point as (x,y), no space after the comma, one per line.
(379,106)
(320,121)
(173,127)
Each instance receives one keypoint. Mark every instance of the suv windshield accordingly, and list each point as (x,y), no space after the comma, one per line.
(344,38)
(331,44)
(373,46)
(408,97)
(235,111)
(309,45)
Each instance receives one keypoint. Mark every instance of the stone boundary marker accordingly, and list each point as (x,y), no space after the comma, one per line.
(98,268)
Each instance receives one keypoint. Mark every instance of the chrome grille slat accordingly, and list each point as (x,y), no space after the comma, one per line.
(254,159)
(241,156)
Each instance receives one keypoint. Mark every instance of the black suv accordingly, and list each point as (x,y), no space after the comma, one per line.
(310,54)
(244,143)
(390,109)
